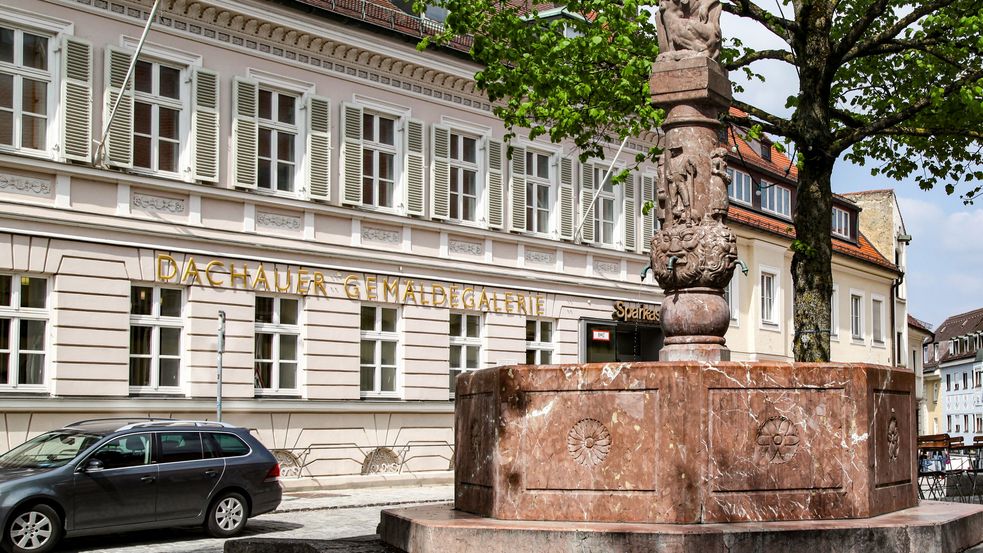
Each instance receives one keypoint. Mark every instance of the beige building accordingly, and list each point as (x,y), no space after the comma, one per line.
(927,380)
(348,203)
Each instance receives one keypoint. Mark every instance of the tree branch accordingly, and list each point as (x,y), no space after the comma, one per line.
(757,55)
(919,11)
(926,132)
(846,139)
(860,27)
(781,27)
(771,124)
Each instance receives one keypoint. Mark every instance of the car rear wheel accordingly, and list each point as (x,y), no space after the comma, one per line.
(227,516)
(36,529)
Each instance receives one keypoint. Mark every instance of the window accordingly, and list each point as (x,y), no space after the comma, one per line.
(23,330)
(220,444)
(877,316)
(841,223)
(155,338)
(538,191)
(278,132)
(606,212)
(539,342)
(465,342)
(965,381)
(740,186)
(948,383)
(463,177)
(378,160)
(157,116)
(856,317)
(378,351)
(179,446)
(276,344)
(834,313)
(776,199)
(768,314)
(24,89)
(134,450)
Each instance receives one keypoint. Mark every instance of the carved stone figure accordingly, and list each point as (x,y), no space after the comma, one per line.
(694,255)
(681,176)
(689,28)
(719,181)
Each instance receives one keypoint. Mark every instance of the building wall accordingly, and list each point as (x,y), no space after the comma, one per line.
(97,235)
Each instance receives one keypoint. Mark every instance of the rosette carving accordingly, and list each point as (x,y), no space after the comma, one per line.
(589,442)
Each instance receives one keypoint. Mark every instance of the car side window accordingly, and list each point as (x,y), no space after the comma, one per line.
(126,451)
(224,445)
(179,446)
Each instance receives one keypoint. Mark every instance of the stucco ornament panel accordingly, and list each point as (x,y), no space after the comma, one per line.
(385,236)
(276,220)
(465,247)
(157,204)
(541,258)
(25,185)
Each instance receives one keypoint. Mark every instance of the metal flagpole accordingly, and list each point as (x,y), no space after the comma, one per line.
(218,366)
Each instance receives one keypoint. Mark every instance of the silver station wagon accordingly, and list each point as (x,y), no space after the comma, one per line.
(115,475)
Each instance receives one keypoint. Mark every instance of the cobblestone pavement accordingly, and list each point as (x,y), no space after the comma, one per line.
(325,515)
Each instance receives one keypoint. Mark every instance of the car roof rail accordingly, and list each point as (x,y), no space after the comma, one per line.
(176,422)
(115,419)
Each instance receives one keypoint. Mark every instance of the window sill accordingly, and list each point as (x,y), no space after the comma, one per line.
(150,392)
(143,171)
(31,391)
(280,394)
(279,194)
(770,326)
(42,154)
(387,396)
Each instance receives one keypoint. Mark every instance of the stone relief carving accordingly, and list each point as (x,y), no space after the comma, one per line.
(542,258)
(157,203)
(606,267)
(589,442)
(689,28)
(381,460)
(694,255)
(465,247)
(275,220)
(475,443)
(893,439)
(290,465)
(719,182)
(373,234)
(777,441)
(25,185)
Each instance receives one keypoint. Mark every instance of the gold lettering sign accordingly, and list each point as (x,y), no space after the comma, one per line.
(215,274)
(637,312)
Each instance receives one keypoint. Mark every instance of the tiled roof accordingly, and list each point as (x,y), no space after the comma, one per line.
(780,163)
(957,326)
(920,324)
(863,250)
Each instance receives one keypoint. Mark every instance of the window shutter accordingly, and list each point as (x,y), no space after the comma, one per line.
(630,214)
(441,182)
(518,190)
(496,197)
(648,221)
(245,131)
(586,209)
(204,125)
(76,99)
(351,154)
(414,166)
(319,148)
(119,139)
(566,198)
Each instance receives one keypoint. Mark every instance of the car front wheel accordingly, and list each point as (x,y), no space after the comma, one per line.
(227,516)
(36,529)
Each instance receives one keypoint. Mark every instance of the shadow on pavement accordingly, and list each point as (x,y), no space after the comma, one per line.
(163,536)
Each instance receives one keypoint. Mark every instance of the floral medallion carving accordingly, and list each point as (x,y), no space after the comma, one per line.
(381,460)
(893,439)
(290,464)
(589,442)
(777,441)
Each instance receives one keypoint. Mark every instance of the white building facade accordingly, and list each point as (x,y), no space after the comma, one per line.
(349,205)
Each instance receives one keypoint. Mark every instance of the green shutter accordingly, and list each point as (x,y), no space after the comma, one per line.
(204,125)
(119,138)
(630,214)
(76,99)
(566,198)
(586,208)
(496,195)
(319,148)
(648,220)
(415,153)
(351,154)
(245,131)
(441,183)
(517,188)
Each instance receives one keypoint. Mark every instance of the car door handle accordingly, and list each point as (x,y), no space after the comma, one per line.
(211,473)
(148,479)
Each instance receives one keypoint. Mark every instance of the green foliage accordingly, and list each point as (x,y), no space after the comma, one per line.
(581,76)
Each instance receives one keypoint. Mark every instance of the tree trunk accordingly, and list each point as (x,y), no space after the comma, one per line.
(812,276)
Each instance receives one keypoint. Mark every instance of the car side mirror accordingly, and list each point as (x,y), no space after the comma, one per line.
(93,465)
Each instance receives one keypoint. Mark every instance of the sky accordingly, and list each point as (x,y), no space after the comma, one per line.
(945,257)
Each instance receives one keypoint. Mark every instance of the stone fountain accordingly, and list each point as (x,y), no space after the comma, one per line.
(694,452)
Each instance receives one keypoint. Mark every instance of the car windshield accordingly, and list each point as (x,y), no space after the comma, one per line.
(50,450)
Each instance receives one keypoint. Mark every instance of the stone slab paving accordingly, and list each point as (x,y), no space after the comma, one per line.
(350,516)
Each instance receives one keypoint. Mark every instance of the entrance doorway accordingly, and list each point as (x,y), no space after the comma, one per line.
(605,341)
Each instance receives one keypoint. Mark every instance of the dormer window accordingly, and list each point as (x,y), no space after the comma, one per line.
(841,223)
